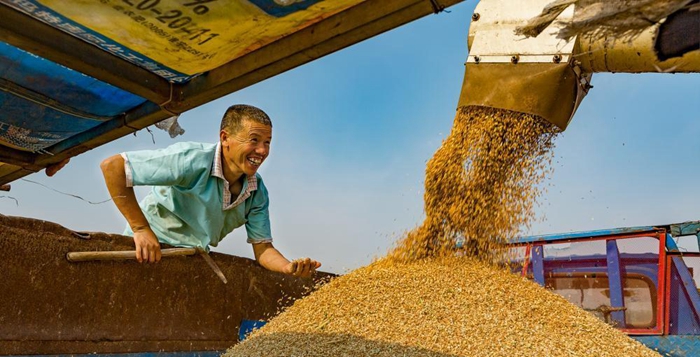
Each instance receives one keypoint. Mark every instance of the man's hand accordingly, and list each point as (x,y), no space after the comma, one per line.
(272,259)
(302,267)
(147,246)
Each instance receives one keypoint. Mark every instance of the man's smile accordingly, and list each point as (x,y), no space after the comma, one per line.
(255,160)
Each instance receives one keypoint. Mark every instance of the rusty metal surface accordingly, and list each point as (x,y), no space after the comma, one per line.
(550,91)
(50,306)
(675,346)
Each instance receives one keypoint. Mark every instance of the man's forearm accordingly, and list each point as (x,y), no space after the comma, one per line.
(269,257)
(123,196)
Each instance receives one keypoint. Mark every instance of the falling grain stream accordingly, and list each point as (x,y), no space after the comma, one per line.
(431,297)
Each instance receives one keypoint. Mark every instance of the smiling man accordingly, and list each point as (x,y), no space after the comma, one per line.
(202,192)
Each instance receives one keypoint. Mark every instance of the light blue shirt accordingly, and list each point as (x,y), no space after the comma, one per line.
(188,205)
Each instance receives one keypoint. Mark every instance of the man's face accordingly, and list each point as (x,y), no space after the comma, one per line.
(245,151)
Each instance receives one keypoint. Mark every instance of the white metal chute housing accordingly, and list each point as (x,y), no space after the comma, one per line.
(547,75)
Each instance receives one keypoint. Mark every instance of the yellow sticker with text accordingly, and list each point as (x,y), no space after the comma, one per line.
(195,36)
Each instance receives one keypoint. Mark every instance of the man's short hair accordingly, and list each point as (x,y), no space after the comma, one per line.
(232,121)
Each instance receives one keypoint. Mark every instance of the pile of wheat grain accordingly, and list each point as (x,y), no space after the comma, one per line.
(436,307)
(429,297)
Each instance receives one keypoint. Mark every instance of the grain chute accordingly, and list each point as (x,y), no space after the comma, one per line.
(549,76)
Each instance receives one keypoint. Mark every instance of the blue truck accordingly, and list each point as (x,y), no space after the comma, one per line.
(641,280)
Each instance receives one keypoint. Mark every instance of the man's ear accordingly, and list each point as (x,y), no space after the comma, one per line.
(223,135)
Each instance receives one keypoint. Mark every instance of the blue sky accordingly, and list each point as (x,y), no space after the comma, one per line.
(353,131)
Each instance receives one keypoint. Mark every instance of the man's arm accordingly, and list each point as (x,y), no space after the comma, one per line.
(271,259)
(147,246)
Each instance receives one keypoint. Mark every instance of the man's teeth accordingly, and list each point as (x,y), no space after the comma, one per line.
(255,161)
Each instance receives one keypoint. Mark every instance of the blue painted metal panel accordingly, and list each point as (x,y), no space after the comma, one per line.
(676,229)
(615,281)
(62,84)
(580,235)
(248,326)
(538,264)
(685,228)
(43,103)
(671,245)
(44,128)
(684,301)
(674,346)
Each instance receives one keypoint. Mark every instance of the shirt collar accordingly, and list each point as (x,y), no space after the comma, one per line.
(217,170)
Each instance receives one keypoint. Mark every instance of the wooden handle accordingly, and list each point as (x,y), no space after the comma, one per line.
(5,187)
(212,264)
(124,254)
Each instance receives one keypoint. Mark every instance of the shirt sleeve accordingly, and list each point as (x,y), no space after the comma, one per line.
(127,171)
(172,166)
(258,218)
